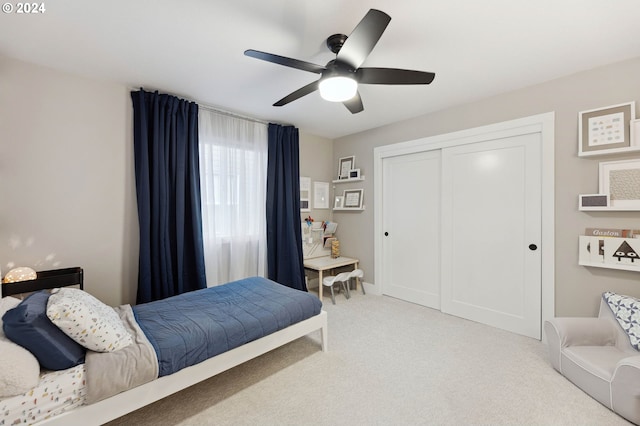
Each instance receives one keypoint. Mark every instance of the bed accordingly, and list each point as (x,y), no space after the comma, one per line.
(276,315)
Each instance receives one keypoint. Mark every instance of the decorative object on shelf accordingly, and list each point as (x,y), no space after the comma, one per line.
(605,130)
(593,201)
(22,273)
(634,128)
(345,165)
(621,181)
(353,198)
(625,253)
(612,232)
(335,249)
(305,194)
(339,202)
(309,221)
(320,195)
(354,174)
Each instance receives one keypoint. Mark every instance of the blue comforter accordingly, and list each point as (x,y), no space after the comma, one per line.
(192,327)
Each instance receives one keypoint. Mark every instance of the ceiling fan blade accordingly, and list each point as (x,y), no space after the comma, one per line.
(303,91)
(393,76)
(354,104)
(363,38)
(283,60)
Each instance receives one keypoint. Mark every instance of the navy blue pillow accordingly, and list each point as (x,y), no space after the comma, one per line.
(28,325)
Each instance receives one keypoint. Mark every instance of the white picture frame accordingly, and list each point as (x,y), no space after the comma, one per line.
(619,180)
(305,194)
(634,126)
(345,165)
(338,202)
(320,195)
(593,201)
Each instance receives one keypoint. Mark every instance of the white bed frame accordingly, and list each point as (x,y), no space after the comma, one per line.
(138,397)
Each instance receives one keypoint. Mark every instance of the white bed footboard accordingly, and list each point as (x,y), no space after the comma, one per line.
(133,399)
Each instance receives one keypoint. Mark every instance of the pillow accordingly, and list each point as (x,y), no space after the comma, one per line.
(28,326)
(87,320)
(6,303)
(21,370)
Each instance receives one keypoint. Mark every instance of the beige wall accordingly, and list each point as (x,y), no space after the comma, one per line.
(316,159)
(67,178)
(577,288)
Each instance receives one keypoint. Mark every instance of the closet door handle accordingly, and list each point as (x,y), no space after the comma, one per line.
(386,234)
(533,247)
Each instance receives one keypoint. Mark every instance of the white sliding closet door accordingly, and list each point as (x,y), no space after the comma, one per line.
(491,230)
(411,222)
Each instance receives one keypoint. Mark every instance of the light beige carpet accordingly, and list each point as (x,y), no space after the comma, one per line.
(389,363)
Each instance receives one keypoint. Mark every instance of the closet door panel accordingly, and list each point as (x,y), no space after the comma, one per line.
(491,216)
(411,210)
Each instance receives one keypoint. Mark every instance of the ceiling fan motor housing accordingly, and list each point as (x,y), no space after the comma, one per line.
(335,42)
(336,68)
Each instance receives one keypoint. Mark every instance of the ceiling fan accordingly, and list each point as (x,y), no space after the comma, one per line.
(339,79)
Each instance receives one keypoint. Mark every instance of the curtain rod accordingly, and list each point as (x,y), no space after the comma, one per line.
(236,115)
(212,108)
(231,114)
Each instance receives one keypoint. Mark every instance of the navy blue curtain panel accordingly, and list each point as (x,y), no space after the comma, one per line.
(284,236)
(168,190)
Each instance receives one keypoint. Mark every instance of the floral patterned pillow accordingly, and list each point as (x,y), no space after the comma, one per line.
(627,311)
(87,320)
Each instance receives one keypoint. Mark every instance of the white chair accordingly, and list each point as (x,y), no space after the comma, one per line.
(343,278)
(358,274)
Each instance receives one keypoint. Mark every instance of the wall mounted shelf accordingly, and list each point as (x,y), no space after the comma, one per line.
(361,178)
(610,266)
(609,250)
(610,151)
(609,209)
(348,209)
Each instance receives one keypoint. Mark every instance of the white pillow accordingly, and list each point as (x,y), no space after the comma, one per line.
(20,371)
(6,303)
(87,320)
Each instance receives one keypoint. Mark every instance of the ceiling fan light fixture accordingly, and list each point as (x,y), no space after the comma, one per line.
(338,88)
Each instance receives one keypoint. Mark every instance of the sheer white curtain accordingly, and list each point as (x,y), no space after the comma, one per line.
(233,175)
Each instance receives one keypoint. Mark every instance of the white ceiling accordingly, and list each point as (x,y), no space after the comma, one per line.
(194,49)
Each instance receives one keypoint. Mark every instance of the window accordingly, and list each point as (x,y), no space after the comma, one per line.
(233,171)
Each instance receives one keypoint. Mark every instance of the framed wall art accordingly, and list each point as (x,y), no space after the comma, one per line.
(353,198)
(620,180)
(305,194)
(345,165)
(605,130)
(320,195)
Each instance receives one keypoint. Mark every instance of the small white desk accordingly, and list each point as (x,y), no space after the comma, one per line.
(325,263)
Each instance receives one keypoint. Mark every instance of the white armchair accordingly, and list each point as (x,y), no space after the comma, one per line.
(596,355)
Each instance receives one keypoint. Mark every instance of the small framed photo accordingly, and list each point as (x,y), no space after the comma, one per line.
(593,201)
(605,130)
(635,132)
(354,174)
(339,202)
(305,194)
(353,198)
(619,180)
(345,165)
